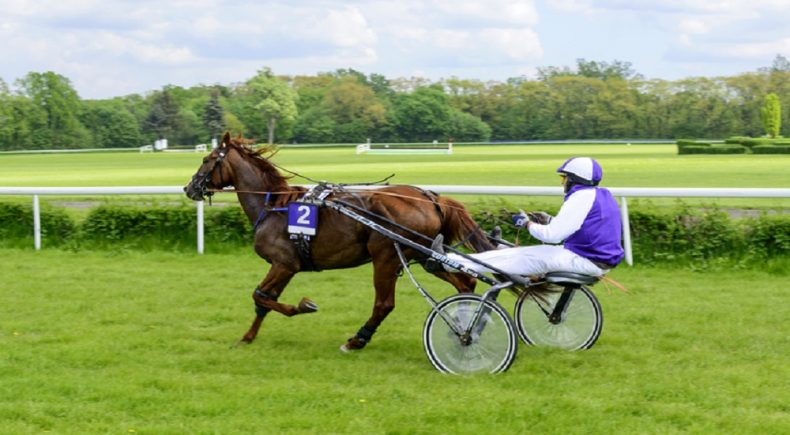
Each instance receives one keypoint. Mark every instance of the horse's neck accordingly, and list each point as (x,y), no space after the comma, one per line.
(254,194)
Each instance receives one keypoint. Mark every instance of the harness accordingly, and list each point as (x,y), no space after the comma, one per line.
(201,179)
(301,241)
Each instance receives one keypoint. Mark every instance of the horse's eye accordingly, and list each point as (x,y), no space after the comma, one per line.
(205,160)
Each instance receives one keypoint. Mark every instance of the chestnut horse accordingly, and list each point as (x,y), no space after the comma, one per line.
(339,242)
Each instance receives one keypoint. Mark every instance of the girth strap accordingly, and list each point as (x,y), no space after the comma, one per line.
(303,248)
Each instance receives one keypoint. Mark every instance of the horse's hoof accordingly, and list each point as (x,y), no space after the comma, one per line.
(307,306)
(240,343)
(353,343)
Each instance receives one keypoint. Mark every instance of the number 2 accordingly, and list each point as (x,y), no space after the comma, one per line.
(304,215)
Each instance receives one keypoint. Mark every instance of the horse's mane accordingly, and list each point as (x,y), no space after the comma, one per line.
(281,191)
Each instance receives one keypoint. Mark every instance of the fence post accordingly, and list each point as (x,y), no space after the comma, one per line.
(200,227)
(629,258)
(36,224)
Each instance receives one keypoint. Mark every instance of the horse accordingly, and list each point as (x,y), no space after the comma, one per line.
(340,242)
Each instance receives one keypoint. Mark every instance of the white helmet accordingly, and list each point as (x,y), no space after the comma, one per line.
(582,170)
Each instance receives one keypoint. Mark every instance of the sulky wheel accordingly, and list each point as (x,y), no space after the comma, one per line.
(455,345)
(575,326)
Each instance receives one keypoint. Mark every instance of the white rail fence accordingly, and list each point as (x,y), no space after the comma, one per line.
(622,192)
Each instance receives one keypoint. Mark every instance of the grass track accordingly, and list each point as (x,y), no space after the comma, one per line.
(529,165)
(98,342)
(632,166)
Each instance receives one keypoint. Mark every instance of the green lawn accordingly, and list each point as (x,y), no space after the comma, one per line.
(625,166)
(527,165)
(130,341)
(120,342)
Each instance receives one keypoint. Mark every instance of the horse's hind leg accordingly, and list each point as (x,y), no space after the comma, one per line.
(385,275)
(266,295)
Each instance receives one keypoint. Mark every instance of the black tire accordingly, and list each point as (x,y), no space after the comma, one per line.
(579,329)
(491,346)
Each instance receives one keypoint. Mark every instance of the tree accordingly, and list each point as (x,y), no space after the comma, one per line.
(315,125)
(233,124)
(465,127)
(311,90)
(213,115)
(605,70)
(593,69)
(422,115)
(54,94)
(273,100)
(780,64)
(772,115)
(163,118)
(355,109)
(110,124)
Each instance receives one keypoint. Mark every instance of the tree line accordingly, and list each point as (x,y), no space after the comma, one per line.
(594,100)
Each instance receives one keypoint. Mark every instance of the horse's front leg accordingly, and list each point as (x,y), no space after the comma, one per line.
(385,275)
(266,295)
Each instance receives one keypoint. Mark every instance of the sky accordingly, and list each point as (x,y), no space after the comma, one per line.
(110,48)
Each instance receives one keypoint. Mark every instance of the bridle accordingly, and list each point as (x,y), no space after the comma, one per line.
(200,180)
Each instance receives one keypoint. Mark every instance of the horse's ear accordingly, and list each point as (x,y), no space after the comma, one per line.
(226,139)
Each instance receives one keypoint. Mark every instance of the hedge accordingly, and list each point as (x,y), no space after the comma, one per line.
(691,142)
(135,227)
(17,223)
(736,140)
(752,142)
(771,149)
(708,149)
(681,234)
(735,145)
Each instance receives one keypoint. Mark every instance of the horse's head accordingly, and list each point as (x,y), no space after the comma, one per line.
(213,173)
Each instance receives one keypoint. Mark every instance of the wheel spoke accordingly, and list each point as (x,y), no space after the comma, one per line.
(492,344)
(578,329)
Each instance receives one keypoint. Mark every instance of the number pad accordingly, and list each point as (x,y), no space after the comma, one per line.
(302,218)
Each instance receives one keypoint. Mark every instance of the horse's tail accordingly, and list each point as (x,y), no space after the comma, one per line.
(458,225)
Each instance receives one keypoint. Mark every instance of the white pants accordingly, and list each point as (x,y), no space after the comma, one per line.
(530,260)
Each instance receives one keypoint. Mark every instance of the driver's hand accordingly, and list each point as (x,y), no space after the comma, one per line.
(539,217)
(520,220)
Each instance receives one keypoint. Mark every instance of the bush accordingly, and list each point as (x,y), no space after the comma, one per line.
(715,149)
(738,140)
(683,144)
(767,236)
(698,237)
(771,149)
(680,235)
(692,149)
(227,225)
(752,141)
(17,223)
(691,142)
(138,226)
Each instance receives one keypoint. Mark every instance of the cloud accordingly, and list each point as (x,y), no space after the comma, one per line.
(115,47)
(733,32)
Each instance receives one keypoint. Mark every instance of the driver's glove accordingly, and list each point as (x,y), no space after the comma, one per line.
(539,217)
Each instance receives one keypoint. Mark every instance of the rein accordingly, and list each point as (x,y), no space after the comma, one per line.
(350,191)
(203,179)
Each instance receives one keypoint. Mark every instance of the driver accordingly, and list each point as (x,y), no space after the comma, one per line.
(588,225)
